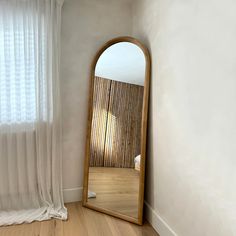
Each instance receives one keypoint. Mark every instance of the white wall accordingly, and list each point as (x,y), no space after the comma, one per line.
(191,175)
(192,131)
(86,26)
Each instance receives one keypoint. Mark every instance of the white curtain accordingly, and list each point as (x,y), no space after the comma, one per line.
(30,126)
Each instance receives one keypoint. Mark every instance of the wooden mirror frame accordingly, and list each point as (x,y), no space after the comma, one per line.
(145,51)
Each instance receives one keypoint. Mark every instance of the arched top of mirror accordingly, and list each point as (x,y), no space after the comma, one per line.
(124,62)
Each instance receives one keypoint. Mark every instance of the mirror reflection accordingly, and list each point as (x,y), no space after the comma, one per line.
(115,145)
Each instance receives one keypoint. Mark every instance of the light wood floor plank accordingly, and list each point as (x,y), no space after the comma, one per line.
(111,192)
(81,222)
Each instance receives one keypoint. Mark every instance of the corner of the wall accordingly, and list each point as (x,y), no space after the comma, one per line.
(162,228)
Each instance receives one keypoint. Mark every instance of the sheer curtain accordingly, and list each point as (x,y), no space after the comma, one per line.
(30,129)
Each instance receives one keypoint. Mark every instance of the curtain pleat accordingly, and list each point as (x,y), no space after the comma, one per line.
(30,118)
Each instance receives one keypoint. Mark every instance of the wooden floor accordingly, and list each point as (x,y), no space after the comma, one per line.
(81,222)
(116,189)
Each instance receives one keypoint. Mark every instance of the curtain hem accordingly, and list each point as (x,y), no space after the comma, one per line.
(28,216)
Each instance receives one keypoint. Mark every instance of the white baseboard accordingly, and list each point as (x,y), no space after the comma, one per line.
(73,194)
(162,228)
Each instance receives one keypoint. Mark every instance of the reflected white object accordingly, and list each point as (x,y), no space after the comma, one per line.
(91,194)
(122,62)
(137,160)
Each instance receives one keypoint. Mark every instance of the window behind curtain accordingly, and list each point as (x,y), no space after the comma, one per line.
(22,64)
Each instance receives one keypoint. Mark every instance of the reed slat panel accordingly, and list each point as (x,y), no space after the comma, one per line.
(99,121)
(116,124)
(124,125)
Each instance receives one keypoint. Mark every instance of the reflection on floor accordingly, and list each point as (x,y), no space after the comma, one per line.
(81,222)
(116,189)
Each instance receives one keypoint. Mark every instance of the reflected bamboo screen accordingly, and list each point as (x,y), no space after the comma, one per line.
(99,121)
(116,123)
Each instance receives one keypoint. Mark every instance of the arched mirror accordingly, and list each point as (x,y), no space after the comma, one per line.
(117,123)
